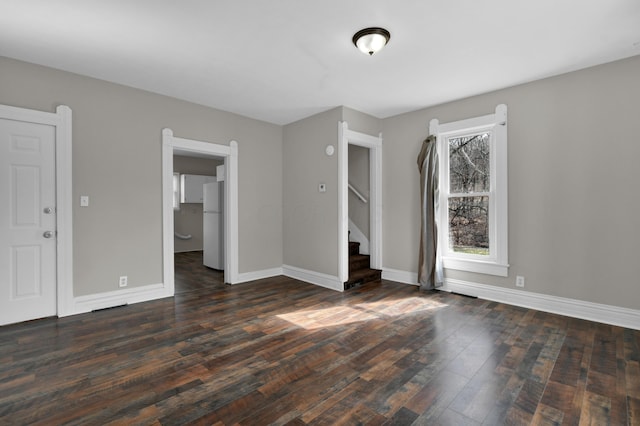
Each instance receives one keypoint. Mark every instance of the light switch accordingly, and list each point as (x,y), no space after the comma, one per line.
(322,187)
(84,201)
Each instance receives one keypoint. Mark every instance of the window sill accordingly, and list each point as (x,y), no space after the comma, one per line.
(489,268)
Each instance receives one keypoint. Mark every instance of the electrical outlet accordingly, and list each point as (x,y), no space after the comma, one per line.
(519,281)
(123,281)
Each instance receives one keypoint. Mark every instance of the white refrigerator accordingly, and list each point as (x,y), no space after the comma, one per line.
(213,225)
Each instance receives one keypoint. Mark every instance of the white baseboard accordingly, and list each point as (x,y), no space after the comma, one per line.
(397,275)
(606,314)
(84,304)
(128,296)
(312,277)
(258,275)
(598,312)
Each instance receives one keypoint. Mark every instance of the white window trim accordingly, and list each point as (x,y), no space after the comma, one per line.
(497,261)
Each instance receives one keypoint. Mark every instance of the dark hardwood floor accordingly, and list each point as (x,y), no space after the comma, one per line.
(191,274)
(278,351)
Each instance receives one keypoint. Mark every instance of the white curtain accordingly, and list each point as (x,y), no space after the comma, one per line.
(430,266)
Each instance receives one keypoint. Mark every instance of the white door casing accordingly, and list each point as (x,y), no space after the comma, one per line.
(35,225)
(374,144)
(172,143)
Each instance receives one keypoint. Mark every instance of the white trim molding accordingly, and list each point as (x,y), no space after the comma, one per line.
(374,144)
(496,262)
(258,275)
(62,121)
(110,299)
(598,312)
(230,154)
(313,277)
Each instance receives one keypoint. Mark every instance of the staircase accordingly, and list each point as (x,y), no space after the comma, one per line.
(359,270)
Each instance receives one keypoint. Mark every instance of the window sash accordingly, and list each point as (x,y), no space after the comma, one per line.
(450,248)
(496,262)
(447,250)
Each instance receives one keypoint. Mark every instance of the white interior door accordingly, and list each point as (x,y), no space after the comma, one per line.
(27,221)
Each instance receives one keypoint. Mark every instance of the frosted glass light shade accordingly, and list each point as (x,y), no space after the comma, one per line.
(371,40)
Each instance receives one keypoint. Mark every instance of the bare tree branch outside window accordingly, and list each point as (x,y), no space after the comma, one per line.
(469,185)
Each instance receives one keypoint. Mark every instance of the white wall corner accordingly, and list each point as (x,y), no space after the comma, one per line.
(312,277)
(244,277)
(404,277)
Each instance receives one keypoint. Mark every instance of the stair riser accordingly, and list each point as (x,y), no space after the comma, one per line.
(359,268)
(372,277)
(365,276)
(354,248)
(363,280)
(358,264)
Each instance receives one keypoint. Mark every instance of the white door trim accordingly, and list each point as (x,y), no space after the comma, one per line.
(374,144)
(62,120)
(230,154)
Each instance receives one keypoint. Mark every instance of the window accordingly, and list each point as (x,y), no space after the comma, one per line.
(472,202)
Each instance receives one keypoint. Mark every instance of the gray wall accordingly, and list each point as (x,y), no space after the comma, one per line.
(573,173)
(573,148)
(188,220)
(117,162)
(311,217)
(359,178)
(361,122)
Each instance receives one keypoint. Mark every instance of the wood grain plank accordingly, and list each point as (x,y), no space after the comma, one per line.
(595,410)
(546,415)
(279,351)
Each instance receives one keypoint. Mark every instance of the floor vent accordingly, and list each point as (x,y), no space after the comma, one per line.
(110,307)
(464,295)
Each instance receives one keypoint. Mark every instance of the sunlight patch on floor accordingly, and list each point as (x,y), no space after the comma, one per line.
(341,315)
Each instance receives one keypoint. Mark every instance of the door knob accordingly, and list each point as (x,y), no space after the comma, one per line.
(47,234)
(47,210)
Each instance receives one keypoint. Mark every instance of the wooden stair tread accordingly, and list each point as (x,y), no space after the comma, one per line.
(362,276)
(359,267)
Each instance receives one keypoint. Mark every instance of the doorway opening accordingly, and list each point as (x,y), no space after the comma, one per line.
(373,144)
(359,194)
(198,226)
(227,155)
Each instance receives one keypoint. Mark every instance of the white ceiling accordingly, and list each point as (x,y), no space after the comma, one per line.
(282,60)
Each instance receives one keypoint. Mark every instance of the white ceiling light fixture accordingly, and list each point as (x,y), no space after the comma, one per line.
(371,40)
